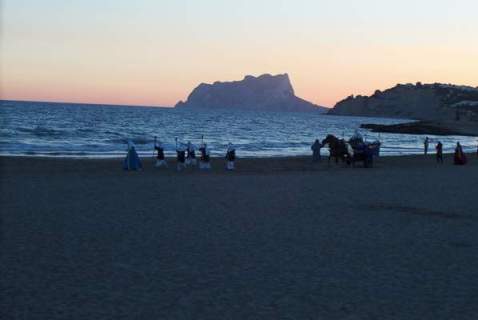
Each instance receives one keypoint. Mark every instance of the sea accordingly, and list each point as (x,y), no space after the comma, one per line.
(44,129)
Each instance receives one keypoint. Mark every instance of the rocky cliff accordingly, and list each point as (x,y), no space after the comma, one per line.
(263,93)
(420,101)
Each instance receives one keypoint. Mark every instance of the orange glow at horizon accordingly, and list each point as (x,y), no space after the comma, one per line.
(156,54)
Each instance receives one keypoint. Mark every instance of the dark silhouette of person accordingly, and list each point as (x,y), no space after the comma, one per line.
(460,156)
(439,149)
(316,150)
(425,144)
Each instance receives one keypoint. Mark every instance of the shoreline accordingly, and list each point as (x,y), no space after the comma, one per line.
(269,165)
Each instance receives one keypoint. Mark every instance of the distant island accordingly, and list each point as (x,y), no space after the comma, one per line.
(441,109)
(264,93)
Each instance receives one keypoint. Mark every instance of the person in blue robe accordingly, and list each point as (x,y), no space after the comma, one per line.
(132,160)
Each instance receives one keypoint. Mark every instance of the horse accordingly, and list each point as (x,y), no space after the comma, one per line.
(338,149)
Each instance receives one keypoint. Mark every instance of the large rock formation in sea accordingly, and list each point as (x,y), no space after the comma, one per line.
(433,102)
(263,93)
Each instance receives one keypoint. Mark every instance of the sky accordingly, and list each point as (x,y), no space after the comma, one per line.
(154,52)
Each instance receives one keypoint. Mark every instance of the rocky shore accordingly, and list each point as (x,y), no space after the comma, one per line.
(427,127)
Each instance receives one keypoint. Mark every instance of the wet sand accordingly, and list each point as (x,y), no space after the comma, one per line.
(277,239)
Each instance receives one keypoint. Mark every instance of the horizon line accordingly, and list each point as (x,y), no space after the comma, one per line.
(104,104)
(89,103)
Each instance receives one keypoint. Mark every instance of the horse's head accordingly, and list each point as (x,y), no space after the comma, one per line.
(330,139)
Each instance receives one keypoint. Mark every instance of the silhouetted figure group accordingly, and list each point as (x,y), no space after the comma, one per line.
(459,157)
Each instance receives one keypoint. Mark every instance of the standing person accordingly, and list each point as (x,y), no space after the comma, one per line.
(205,161)
(460,156)
(160,159)
(132,161)
(425,144)
(180,156)
(230,157)
(439,149)
(316,150)
(191,155)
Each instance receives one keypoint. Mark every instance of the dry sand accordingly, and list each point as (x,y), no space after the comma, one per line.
(277,239)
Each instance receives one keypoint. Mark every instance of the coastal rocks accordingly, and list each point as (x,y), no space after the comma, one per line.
(434,102)
(419,127)
(427,127)
(263,93)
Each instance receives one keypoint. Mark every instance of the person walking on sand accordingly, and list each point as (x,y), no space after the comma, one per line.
(205,161)
(460,156)
(439,149)
(230,157)
(160,159)
(180,156)
(191,155)
(425,144)
(316,146)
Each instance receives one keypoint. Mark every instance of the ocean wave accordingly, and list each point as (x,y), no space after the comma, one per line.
(40,131)
(136,140)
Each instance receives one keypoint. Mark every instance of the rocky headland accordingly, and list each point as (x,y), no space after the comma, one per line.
(440,108)
(264,93)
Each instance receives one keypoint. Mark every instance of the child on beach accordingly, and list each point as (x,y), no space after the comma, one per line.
(439,149)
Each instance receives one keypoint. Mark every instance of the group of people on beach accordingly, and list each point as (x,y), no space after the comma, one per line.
(459,157)
(185,156)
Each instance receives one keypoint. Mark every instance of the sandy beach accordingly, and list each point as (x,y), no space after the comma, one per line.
(277,239)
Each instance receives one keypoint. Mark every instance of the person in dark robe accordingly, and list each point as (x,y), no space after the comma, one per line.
(205,160)
(460,156)
(191,155)
(160,159)
(316,150)
(180,157)
(230,157)
(439,154)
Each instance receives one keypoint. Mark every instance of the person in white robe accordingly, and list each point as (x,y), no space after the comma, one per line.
(160,159)
(181,157)
(191,155)
(205,160)
(230,157)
